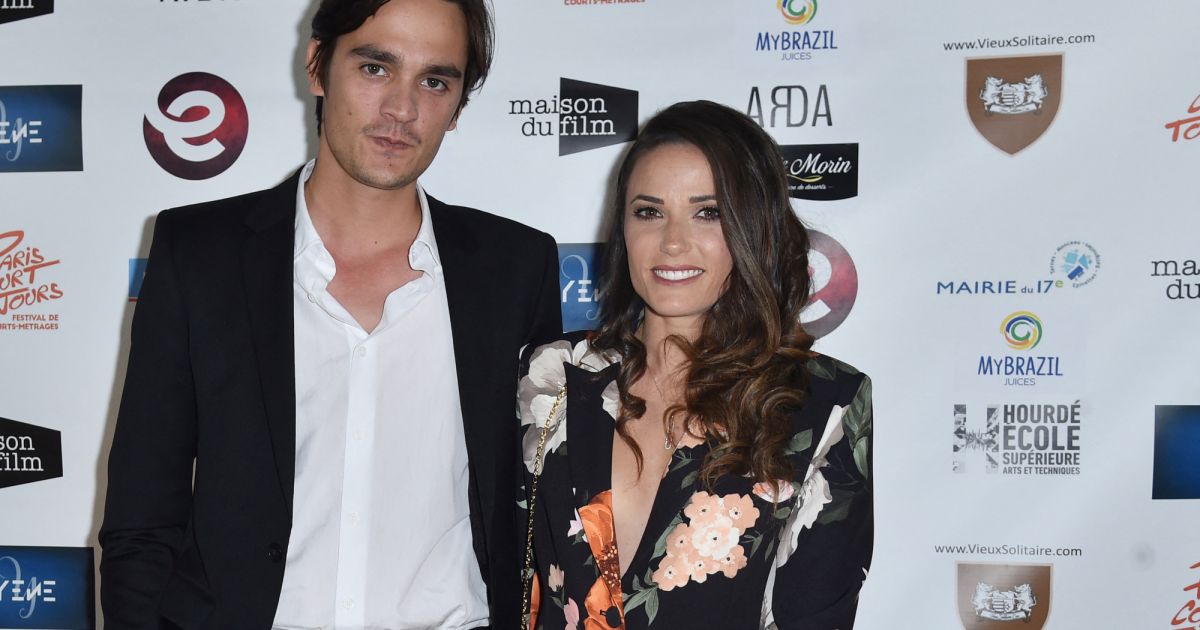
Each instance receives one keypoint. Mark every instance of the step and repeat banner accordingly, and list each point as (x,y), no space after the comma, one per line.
(1002,201)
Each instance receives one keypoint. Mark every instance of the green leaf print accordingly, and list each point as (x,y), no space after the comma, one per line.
(799,443)
(689,479)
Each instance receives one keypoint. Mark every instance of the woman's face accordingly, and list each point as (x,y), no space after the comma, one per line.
(678,259)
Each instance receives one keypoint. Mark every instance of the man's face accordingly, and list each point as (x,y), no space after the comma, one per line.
(393,90)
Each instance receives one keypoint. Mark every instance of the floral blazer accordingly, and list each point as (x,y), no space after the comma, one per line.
(733,556)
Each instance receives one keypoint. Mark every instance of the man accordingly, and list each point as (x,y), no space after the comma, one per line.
(317,427)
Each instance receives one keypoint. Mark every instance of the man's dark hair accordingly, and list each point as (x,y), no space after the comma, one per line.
(335,18)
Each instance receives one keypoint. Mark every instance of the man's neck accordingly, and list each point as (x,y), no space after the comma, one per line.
(353,217)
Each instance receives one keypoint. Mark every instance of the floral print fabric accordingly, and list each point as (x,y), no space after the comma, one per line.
(788,554)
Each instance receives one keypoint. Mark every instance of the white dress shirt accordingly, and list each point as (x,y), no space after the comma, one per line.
(381,532)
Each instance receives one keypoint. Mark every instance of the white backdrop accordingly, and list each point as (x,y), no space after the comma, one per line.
(937,203)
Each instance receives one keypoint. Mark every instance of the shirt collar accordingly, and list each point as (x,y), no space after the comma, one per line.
(423,255)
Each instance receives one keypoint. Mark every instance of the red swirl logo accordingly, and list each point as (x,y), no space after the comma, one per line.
(199,128)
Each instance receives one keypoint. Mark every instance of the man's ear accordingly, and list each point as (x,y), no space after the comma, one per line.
(314,78)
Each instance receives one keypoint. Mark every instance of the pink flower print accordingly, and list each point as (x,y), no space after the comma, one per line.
(555,581)
(571,612)
(716,538)
(679,541)
(701,567)
(741,511)
(703,508)
(674,571)
(766,491)
(733,562)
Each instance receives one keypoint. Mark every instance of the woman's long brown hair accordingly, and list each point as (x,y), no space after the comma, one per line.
(745,371)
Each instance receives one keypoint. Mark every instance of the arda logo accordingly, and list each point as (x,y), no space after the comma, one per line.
(834,285)
(199,128)
(13,10)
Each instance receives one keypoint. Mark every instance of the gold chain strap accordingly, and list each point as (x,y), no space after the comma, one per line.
(527,574)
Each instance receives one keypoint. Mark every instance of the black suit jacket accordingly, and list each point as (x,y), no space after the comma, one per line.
(202,468)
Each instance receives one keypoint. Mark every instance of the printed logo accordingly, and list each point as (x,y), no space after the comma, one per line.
(1176,451)
(137,273)
(47,587)
(13,10)
(834,285)
(1020,439)
(994,596)
(41,128)
(583,2)
(796,45)
(1076,262)
(577,267)
(791,107)
(24,284)
(1189,613)
(1189,126)
(199,128)
(1022,331)
(1178,269)
(798,12)
(821,172)
(28,453)
(583,115)
(1013,100)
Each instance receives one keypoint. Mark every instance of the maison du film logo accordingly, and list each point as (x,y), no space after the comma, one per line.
(28,453)
(994,596)
(584,116)
(13,10)
(1188,616)
(821,172)
(1073,264)
(1022,331)
(577,270)
(792,44)
(26,282)
(790,106)
(1182,276)
(41,128)
(1187,127)
(1019,439)
(47,587)
(1012,100)
(199,127)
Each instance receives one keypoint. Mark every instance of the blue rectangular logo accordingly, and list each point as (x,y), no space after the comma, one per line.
(41,128)
(1176,451)
(47,587)
(137,272)
(577,272)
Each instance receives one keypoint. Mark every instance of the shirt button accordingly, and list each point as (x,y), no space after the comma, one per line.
(275,552)
(312,298)
(348,603)
(354,518)
(360,352)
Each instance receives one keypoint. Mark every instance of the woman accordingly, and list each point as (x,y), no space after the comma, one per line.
(699,466)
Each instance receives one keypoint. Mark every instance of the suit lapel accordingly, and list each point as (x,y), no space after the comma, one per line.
(267,261)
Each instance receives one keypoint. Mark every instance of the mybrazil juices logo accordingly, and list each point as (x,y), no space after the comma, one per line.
(198,128)
(1022,330)
(47,587)
(798,12)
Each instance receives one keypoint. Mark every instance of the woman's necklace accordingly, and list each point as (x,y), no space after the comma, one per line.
(668,442)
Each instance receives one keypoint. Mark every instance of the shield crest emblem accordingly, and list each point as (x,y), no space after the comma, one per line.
(1013,100)
(1003,596)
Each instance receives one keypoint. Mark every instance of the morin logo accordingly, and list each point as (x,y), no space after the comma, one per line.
(199,128)
(47,587)
(28,453)
(1013,100)
(13,10)
(821,172)
(1176,451)
(993,596)
(583,115)
(41,128)
(577,267)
